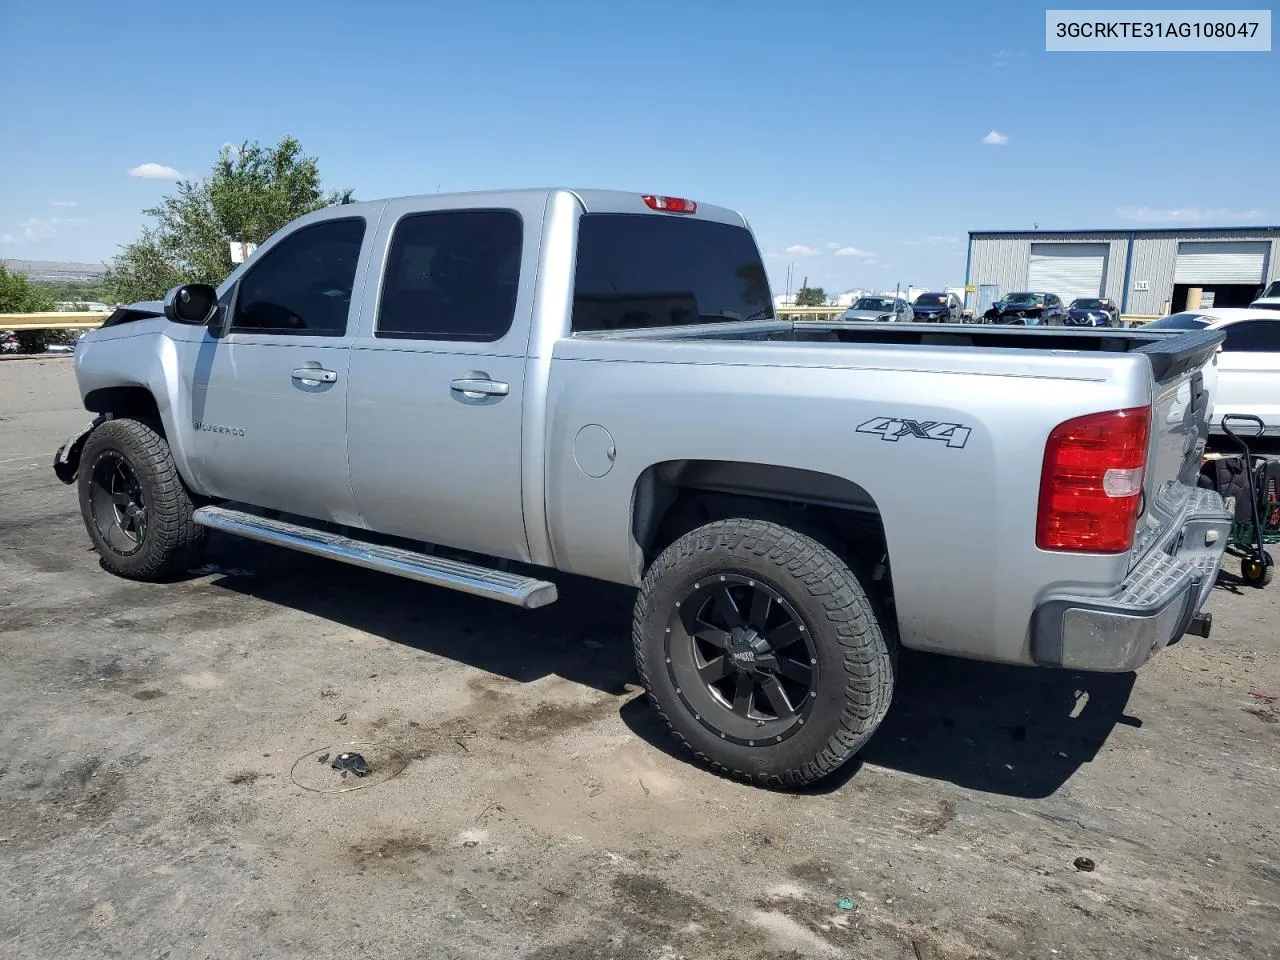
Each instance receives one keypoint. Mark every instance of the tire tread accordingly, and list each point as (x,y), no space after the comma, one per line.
(174,539)
(868,645)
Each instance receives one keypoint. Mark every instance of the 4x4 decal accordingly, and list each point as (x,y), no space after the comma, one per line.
(894,429)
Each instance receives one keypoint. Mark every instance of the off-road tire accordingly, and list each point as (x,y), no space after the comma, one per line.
(172,541)
(856,652)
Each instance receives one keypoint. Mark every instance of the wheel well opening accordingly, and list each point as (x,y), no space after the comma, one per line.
(675,497)
(134,402)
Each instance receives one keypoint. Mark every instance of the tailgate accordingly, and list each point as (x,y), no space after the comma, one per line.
(1179,429)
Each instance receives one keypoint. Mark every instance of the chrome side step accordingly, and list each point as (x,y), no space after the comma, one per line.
(465,577)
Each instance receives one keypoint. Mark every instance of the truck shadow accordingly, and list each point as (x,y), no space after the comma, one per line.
(1014,731)
(585,637)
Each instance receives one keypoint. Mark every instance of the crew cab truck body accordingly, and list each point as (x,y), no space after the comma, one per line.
(593,382)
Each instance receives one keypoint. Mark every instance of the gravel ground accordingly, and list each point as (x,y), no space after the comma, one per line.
(160,796)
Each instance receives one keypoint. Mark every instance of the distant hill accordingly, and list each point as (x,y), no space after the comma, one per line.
(56,269)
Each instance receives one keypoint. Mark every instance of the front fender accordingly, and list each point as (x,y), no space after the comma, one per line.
(66,462)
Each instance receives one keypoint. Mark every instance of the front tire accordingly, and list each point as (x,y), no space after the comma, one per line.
(136,509)
(760,649)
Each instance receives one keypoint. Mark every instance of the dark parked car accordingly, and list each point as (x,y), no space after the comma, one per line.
(937,308)
(1092,312)
(1028,309)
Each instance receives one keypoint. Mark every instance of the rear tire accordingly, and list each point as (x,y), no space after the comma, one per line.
(136,509)
(817,640)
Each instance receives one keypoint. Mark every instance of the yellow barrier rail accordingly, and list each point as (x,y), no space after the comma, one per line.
(69,320)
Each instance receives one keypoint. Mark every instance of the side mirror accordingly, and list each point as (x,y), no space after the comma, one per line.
(192,303)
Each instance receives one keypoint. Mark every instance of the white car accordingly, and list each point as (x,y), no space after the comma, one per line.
(1270,299)
(881,309)
(1248,368)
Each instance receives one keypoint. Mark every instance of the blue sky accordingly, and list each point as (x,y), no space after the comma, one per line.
(850,134)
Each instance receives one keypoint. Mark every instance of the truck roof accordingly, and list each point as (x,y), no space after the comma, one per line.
(592,200)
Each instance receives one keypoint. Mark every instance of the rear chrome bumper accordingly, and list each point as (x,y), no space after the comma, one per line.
(1153,607)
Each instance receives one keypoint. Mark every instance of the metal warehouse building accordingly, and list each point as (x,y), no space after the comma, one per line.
(1146,272)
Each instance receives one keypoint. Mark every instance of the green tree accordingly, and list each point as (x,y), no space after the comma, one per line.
(251,193)
(78,291)
(811,297)
(19,295)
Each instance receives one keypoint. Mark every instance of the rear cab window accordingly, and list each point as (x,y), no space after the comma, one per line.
(638,271)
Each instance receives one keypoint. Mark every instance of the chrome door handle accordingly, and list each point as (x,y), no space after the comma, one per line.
(312,376)
(477,385)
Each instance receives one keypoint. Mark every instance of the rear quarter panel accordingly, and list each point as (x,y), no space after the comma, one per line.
(959,519)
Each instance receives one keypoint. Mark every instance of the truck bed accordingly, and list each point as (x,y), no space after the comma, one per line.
(1170,352)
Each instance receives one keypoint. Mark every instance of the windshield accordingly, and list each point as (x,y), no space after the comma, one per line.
(1273,289)
(931,300)
(874,303)
(1180,321)
(1022,298)
(1087,303)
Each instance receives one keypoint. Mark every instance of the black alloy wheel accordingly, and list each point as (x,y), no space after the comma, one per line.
(117,504)
(751,660)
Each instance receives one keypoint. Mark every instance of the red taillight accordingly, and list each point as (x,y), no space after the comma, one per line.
(1091,482)
(670,204)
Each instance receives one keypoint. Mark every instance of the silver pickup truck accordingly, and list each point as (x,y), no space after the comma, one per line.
(478,391)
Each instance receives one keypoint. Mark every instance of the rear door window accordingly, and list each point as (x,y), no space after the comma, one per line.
(1253,336)
(451,275)
(639,271)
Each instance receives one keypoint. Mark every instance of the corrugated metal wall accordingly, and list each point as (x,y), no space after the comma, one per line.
(1156,254)
(1153,260)
(999,260)
(1003,259)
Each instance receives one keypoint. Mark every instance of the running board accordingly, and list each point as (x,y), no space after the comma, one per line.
(465,577)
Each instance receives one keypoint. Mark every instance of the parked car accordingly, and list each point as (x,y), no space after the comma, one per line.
(1092,312)
(937,307)
(439,386)
(1027,309)
(8,341)
(1269,299)
(1246,378)
(880,309)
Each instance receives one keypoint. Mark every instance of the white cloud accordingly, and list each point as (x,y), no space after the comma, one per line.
(995,139)
(68,221)
(64,203)
(1002,58)
(800,250)
(155,171)
(8,238)
(37,230)
(854,252)
(931,241)
(1188,214)
(834,245)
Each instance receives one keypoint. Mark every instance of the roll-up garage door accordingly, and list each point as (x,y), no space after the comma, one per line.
(1070,270)
(1222,261)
